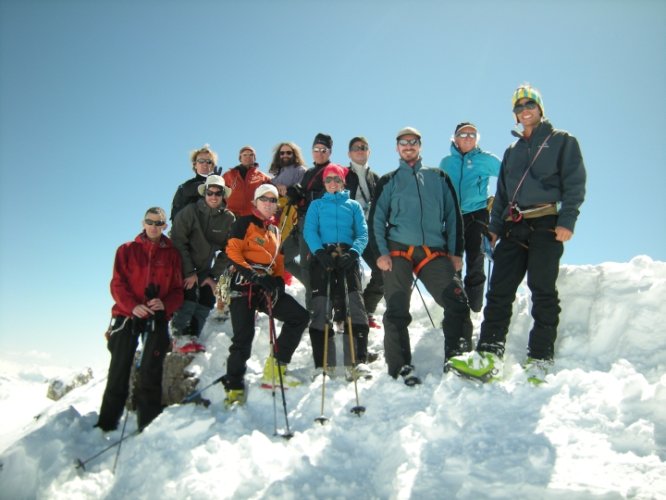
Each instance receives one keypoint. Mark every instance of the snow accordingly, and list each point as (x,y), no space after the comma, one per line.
(596,429)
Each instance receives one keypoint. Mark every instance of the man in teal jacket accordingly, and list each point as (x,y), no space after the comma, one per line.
(469,169)
(416,226)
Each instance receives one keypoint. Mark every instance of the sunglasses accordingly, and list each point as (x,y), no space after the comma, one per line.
(409,142)
(158,223)
(214,193)
(465,135)
(267,199)
(519,108)
(359,148)
(206,162)
(286,153)
(319,150)
(335,179)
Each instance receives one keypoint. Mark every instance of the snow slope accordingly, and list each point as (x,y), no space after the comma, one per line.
(597,429)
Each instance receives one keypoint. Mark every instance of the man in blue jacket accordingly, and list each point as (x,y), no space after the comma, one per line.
(469,169)
(416,226)
(539,192)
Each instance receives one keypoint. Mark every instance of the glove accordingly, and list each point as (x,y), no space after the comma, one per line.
(265,281)
(347,261)
(325,259)
(295,194)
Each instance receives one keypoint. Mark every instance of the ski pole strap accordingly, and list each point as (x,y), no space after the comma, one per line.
(409,255)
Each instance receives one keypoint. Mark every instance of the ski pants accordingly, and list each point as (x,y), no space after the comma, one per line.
(528,246)
(319,284)
(122,344)
(443,283)
(475,224)
(294,321)
(199,300)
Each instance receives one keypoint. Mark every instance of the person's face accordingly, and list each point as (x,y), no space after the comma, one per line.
(320,154)
(359,153)
(286,155)
(466,139)
(409,148)
(203,164)
(333,183)
(529,114)
(154,226)
(247,158)
(266,205)
(214,196)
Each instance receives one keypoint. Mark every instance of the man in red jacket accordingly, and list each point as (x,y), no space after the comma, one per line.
(147,287)
(243,180)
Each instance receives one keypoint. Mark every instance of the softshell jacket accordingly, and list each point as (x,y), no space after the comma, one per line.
(242,188)
(313,187)
(253,240)
(469,174)
(200,234)
(416,206)
(557,175)
(140,263)
(188,193)
(335,218)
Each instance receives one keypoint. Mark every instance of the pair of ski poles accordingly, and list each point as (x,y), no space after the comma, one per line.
(358,409)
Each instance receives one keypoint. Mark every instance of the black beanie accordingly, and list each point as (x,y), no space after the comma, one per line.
(324,140)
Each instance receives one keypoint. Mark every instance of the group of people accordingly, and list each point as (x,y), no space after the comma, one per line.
(256,231)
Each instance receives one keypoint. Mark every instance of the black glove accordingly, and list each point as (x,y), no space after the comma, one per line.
(295,194)
(265,281)
(348,260)
(325,259)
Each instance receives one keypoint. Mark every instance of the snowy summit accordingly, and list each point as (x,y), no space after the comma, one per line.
(596,429)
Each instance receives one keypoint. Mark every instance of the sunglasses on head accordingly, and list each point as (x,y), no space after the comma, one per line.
(158,223)
(213,193)
(408,142)
(335,179)
(267,199)
(519,108)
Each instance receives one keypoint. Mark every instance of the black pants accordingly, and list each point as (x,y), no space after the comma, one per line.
(294,321)
(199,300)
(374,290)
(475,224)
(526,247)
(122,345)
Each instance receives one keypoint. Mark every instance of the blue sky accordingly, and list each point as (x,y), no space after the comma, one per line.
(101,102)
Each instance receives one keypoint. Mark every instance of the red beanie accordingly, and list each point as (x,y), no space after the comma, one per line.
(333,169)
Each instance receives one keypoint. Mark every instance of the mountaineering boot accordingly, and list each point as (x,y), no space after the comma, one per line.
(272,372)
(235,397)
(537,369)
(408,376)
(483,366)
(360,371)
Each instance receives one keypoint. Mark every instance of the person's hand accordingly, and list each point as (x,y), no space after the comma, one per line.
(325,259)
(142,311)
(155,305)
(190,281)
(347,260)
(563,234)
(385,263)
(457,262)
(209,282)
(295,194)
(282,189)
(265,281)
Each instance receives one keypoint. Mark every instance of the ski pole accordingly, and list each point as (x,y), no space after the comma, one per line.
(358,409)
(81,464)
(321,418)
(194,395)
(271,330)
(416,285)
(120,443)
